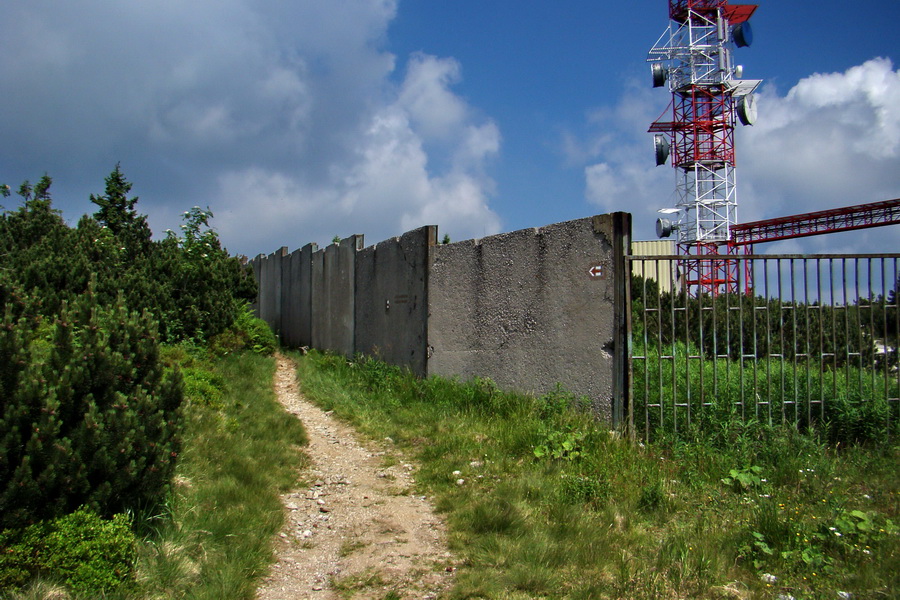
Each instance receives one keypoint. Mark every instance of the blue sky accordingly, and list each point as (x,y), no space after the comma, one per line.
(297,121)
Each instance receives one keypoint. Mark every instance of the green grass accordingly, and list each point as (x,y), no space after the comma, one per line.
(241,450)
(846,405)
(553,504)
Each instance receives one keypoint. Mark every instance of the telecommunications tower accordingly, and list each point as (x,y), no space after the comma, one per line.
(709,97)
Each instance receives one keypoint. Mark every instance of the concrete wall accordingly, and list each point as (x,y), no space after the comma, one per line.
(334,296)
(392,299)
(528,309)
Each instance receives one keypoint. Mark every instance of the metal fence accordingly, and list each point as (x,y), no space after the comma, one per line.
(815,337)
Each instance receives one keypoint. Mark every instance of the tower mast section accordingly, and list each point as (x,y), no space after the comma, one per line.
(694,56)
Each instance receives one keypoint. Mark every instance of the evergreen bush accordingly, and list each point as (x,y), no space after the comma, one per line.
(90,418)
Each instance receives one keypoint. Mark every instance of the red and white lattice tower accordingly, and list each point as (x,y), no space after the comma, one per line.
(694,55)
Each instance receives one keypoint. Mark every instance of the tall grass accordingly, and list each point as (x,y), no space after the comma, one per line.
(545,501)
(674,388)
(241,449)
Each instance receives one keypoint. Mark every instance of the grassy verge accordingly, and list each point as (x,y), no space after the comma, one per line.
(241,449)
(545,502)
(847,404)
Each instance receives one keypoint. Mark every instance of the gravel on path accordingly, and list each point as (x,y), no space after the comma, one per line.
(354,529)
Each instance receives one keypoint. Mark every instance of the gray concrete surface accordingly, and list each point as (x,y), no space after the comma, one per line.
(391,299)
(528,309)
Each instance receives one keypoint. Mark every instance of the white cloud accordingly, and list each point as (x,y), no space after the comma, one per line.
(619,168)
(388,186)
(281,116)
(833,140)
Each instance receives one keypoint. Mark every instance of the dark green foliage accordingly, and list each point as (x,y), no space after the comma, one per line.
(737,325)
(248,332)
(189,284)
(119,216)
(90,418)
(88,554)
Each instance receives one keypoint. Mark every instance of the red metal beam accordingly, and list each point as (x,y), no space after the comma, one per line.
(862,216)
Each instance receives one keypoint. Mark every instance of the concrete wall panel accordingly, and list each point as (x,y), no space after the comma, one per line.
(391,299)
(318,301)
(302,294)
(334,296)
(528,309)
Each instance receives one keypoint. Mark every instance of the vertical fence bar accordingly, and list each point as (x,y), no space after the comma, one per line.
(872,317)
(834,339)
(821,329)
(795,342)
(768,354)
(743,402)
(858,329)
(895,305)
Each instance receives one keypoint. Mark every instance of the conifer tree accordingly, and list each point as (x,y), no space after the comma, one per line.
(118,214)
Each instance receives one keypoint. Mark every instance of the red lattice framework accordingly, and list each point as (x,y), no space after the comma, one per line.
(702,126)
(849,218)
(701,131)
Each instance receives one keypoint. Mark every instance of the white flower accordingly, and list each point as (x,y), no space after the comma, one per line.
(768,578)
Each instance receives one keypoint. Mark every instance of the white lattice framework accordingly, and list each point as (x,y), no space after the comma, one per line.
(694,57)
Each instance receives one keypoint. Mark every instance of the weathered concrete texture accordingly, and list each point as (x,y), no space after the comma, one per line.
(303,296)
(528,309)
(290,284)
(334,296)
(269,285)
(391,299)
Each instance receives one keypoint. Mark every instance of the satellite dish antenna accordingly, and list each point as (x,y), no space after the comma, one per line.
(659,75)
(661,146)
(746,110)
(739,71)
(743,34)
(664,228)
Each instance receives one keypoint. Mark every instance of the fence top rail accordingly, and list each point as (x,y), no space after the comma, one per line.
(744,257)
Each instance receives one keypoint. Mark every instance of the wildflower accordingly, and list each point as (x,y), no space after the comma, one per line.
(768,578)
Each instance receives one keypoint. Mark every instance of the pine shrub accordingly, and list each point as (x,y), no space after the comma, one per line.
(90,418)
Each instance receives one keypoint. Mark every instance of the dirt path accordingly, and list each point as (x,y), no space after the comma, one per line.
(356,530)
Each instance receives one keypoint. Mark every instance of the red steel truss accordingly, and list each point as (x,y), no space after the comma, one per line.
(678,9)
(710,269)
(862,216)
(735,13)
(702,127)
